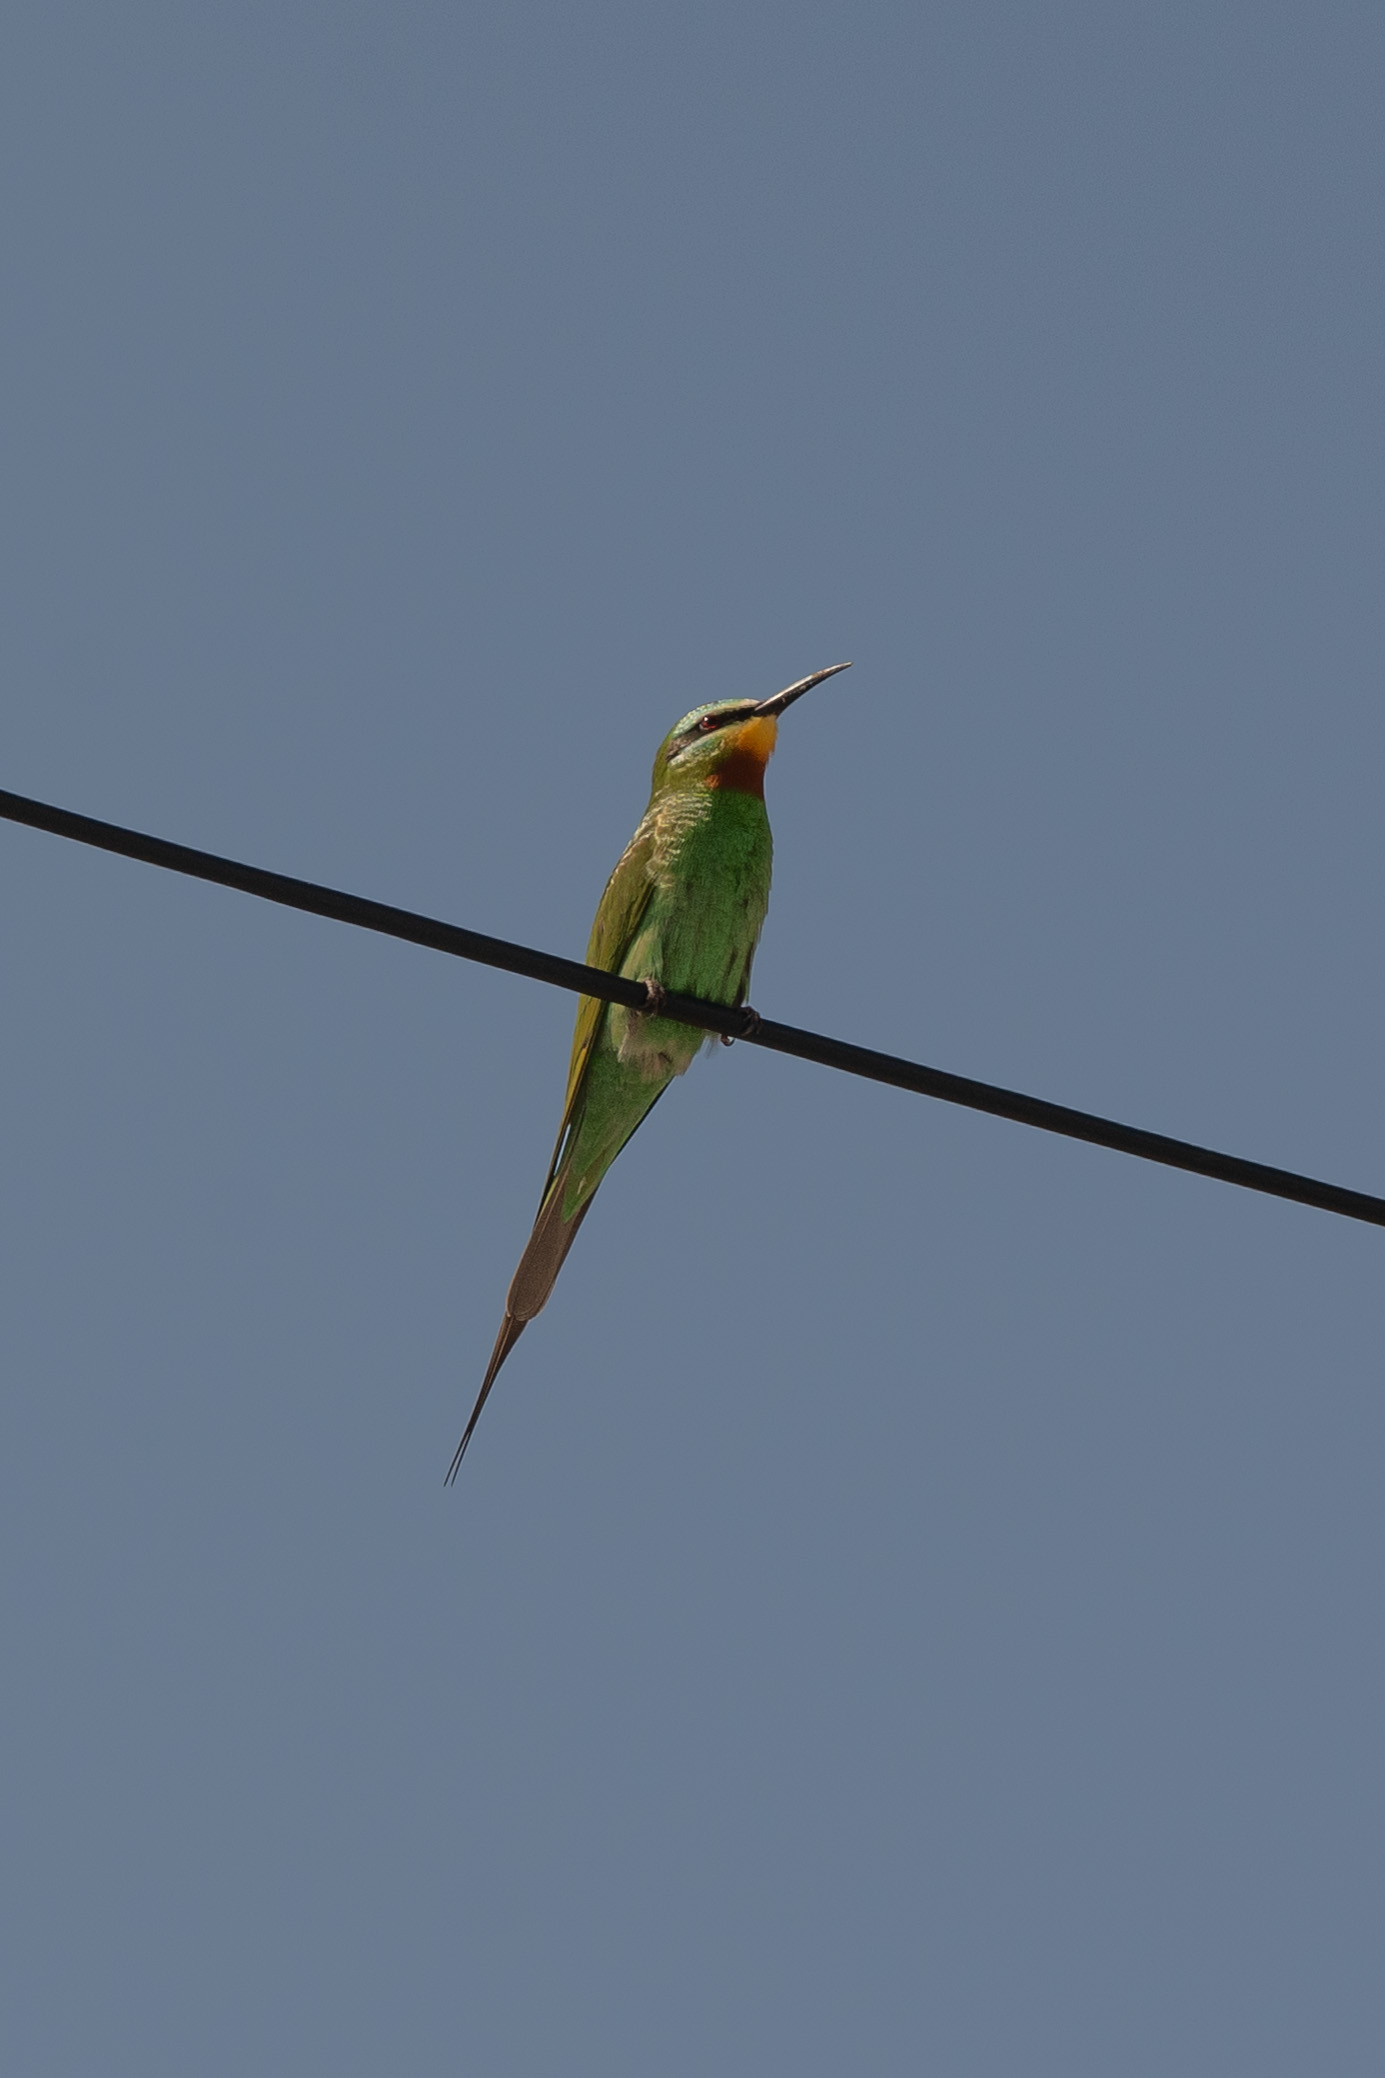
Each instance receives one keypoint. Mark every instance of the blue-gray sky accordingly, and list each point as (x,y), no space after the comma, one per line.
(914,1602)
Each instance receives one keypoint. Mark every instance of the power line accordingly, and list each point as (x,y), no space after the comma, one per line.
(712,1017)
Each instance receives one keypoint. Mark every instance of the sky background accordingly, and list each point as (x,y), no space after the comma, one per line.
(914,1602)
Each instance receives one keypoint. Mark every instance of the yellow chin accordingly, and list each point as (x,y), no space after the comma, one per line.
(744,753)
(756,738)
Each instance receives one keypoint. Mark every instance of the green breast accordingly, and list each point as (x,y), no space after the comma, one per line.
(711,873)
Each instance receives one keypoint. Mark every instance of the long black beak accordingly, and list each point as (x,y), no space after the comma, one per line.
(796,692)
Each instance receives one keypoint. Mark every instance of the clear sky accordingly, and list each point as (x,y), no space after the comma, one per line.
(914,1602)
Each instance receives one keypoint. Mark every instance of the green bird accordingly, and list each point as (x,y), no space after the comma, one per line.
(682,911)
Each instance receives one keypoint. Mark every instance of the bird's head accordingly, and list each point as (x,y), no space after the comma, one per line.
(729,742)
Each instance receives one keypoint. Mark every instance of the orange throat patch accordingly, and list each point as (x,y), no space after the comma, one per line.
(749,748)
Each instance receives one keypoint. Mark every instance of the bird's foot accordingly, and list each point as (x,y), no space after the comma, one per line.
(751,1022)
(655,997)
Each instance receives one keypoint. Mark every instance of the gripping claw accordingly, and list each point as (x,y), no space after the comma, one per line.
(751,1022)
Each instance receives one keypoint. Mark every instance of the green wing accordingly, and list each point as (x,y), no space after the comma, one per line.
(619,915)
(618,919)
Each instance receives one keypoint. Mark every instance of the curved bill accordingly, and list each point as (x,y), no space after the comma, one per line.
(796,692)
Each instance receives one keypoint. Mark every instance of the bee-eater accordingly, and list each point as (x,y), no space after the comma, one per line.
(682,911)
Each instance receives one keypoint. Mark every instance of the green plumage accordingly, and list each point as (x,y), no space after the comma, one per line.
(700,863)
(683,910)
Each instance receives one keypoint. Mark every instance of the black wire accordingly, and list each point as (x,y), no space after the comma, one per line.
(712,1017)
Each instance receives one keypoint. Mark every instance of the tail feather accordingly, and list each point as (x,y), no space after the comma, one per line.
(510,1332)
(530,1286)
(544,1252)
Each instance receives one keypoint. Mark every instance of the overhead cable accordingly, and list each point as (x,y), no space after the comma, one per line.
(741,1024)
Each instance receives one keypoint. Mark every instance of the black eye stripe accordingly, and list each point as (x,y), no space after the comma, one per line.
(707,724)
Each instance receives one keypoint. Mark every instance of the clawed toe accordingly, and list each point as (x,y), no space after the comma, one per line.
(751,1022)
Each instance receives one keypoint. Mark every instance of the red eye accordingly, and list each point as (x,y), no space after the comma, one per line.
(707,723)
